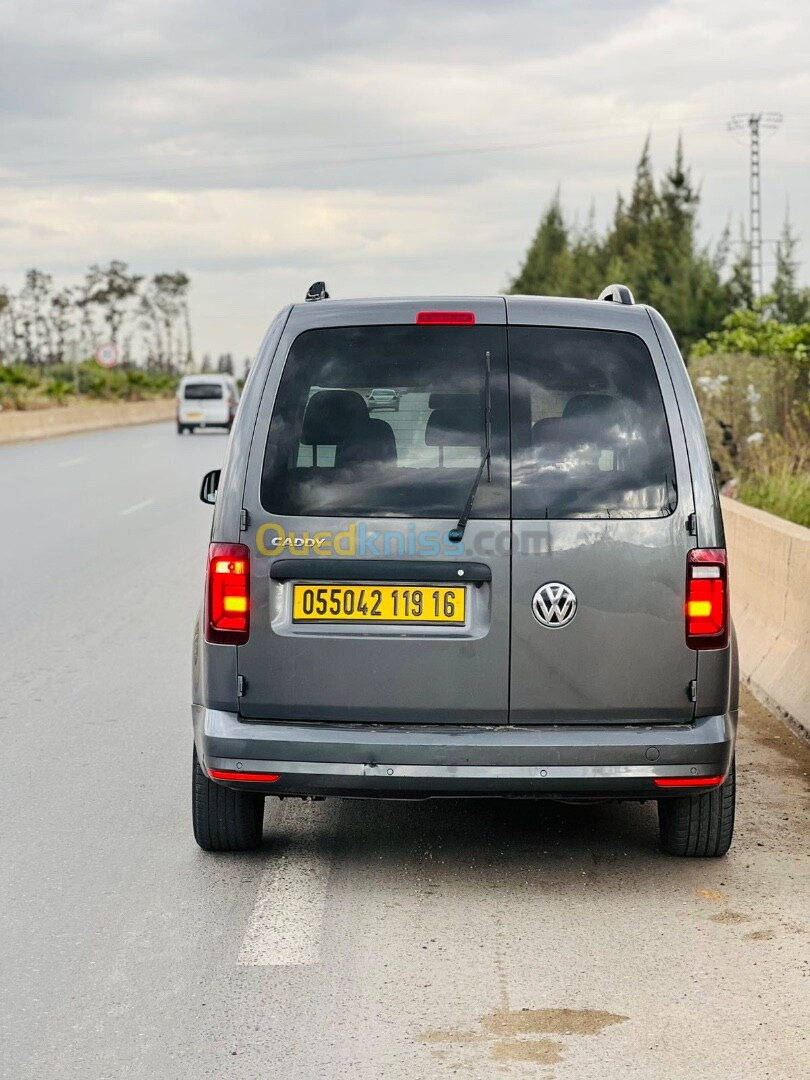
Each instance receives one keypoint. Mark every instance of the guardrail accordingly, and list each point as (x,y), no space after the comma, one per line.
(769,568)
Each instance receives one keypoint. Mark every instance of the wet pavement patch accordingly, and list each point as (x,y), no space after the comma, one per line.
(711,894)
(549,1021)
(759,935)
(730,918)
(537,1051)
(519,1034)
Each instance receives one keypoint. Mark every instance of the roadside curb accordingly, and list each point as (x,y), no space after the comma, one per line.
(24,426)
(769,562)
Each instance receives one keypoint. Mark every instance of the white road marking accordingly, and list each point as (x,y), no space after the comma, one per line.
(285,926)
(136,507)
(73,461)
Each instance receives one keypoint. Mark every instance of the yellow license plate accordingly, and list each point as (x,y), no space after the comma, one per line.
(380,603)
(194,416)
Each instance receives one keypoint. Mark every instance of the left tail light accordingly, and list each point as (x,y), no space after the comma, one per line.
(227,600)
(707,618)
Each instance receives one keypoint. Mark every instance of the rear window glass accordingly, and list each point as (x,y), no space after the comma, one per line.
(589,432)
(202,391)
(388,421)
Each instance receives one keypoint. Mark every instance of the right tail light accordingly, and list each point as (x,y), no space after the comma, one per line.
(707,618)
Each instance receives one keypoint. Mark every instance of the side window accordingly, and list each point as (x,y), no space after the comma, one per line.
(388,421)
(589,431)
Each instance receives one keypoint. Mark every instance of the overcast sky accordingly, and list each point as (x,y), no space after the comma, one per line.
(394,146)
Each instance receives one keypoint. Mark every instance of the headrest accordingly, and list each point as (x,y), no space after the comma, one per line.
(549,430)
(455,427)
(383,439)
(439,400)
(372,444)
(588,405)
(333,415)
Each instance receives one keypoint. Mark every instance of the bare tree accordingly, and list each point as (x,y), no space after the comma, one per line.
(7,340)
(64,319)
(151,325)
(35,326)
(112,289)
(146,318)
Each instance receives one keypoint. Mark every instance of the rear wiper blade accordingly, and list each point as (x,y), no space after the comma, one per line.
(456,535)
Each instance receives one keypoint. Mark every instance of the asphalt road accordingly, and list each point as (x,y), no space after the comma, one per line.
(363,940)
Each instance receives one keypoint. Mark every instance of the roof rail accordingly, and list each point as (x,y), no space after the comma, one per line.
(619,294)
(317,291)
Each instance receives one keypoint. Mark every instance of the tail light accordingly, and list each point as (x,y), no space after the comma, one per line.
(227,600)
(707,622)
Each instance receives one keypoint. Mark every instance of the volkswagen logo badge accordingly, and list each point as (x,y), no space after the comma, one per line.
(554,604)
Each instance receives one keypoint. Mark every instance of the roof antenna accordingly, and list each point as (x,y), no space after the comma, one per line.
(317,291)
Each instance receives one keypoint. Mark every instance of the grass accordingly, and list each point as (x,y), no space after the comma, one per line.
(778,479)
(757,416)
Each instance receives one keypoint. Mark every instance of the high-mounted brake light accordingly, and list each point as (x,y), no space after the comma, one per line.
(445,318)
(707,621)
(227,601)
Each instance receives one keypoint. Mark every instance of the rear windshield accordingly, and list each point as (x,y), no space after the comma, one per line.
(589,432)
(388,421)
(202,391)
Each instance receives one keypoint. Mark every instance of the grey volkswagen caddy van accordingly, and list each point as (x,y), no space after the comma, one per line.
(515,585)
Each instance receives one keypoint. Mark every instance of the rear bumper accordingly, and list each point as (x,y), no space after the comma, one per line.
(206,421)
(357,761)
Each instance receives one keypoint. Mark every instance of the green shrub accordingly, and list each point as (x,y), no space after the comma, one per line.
(777,478)
(757,416)
(58,389)
(24,386)
(19,375)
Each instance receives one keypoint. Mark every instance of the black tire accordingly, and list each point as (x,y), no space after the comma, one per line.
(699,826)
(224,819)
(181,429)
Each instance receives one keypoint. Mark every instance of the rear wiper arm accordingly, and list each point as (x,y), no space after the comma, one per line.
(456,535)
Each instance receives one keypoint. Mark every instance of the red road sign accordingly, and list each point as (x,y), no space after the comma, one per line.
(107,355)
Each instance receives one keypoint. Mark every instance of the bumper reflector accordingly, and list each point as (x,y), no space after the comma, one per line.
(250,777)
(688,781)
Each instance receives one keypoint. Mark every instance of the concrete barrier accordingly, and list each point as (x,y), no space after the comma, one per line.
(20,426)
(769,568)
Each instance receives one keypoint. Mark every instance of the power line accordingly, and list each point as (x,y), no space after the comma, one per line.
(266,167)
(755,122)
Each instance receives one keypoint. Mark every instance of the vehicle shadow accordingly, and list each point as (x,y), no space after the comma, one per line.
(459,837)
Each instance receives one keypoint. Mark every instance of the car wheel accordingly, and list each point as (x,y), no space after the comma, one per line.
(181,429)
(224,819)
(699,826)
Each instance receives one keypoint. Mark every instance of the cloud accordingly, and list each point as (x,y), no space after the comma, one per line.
(402,146)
